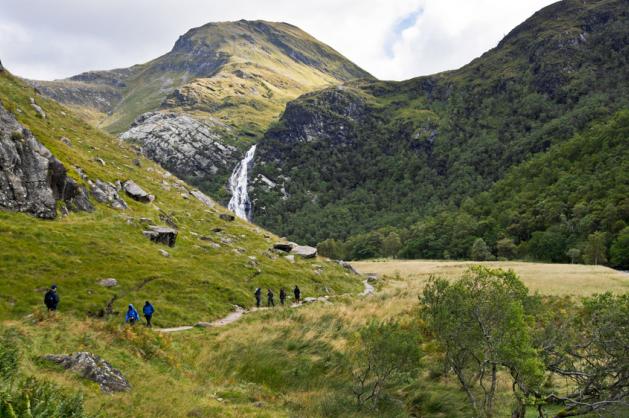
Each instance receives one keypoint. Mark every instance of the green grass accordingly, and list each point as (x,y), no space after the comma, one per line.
(196,283)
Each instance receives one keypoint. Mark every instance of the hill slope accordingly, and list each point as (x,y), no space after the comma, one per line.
(240,72)
(368,155)
(214,264)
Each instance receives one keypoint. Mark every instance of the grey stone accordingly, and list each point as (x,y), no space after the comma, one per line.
(284,246)
(40,112)
(304,251)
(164,253)
(290,258)
(206,200)
(110,282)
(347,266)
(94,368)
(227,217)
(161,235)
(136,192)
(66,141)
(107,193)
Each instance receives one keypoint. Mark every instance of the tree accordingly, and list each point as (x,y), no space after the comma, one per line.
(482,328)
(547,246)
(480,251)
(595,249)
(588,346)
(574,254)
(619,251)
(332,248)
(381,354)
(506,248)
(391,245)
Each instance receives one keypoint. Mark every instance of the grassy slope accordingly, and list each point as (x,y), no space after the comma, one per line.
(287,362)
(197,282)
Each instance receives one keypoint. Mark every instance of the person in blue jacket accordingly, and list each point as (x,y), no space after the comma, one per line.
(148,313)
(132,315)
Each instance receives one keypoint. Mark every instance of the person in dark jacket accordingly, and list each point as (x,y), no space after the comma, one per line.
(282,296)
(148,311)
(132,315)
(258,294)
(297,294)
(269,298)
(51,298)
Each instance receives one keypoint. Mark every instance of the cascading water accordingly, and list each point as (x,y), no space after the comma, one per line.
(240,203)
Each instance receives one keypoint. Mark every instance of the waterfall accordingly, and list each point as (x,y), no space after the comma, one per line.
(240,203)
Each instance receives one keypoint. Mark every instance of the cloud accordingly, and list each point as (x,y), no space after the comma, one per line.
(392,39)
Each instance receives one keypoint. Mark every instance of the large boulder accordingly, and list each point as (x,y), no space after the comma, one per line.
(92,367)
(284,246)
(161,235)
(347,266)
(203,198)
(31,178)
(304,251)
(135,192)
(227,217)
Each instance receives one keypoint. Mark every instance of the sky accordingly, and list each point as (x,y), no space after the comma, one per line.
(392,39)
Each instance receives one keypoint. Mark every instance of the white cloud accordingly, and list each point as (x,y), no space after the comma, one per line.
(392,39)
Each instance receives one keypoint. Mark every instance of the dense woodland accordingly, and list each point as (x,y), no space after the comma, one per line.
(524,148)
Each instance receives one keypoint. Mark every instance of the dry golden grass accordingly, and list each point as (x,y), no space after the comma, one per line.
(552,279)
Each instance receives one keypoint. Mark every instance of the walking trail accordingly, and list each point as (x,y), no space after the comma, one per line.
(239,312)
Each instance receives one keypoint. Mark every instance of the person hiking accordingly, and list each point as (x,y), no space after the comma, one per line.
(258,294)
(297,294)
(51,298)
(132,315)
(148,310)
(269,299)
(282,296)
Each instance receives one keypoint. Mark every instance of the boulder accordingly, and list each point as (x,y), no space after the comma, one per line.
(107,193)
(110,282)
(227,217)
(284,246)
(290,258)
(40,112)
(304,251)
(94,368)
(164,253)
(135,192)
(323,299)
(161,235)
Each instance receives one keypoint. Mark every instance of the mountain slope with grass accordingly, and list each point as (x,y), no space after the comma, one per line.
(216,261)
(374,155)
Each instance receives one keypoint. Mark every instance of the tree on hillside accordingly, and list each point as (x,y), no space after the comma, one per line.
(480,251)
(506,248)
(619,251)
(332,248)
(574,254)
(595,249)
(483,330)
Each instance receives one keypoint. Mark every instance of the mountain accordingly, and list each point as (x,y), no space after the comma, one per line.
(374,155)
(217,90)
(78,206)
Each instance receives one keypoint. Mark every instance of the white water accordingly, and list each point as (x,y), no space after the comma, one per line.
(240,203)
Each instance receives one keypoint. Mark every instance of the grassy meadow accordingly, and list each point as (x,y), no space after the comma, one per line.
(545,278)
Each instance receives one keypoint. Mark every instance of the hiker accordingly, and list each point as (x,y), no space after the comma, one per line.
(132,315)
(297,293)
(258,294)
(51,299)
(269,299)
(282,296)
(148,310)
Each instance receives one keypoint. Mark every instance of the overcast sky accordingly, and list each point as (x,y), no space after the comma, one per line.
(392,39)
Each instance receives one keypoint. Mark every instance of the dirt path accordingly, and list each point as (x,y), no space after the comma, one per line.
(239,312)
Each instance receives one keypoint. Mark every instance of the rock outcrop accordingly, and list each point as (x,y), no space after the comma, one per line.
(303,251)
(110,282)
(184,145)
(94,368)
(31,178)
(161,235)
(135,192)
(107,193)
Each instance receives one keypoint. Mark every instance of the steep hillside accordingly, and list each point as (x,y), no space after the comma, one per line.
(369,155)
(71,214)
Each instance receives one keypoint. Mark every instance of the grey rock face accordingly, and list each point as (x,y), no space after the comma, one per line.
(136,192)
(107,193)
(92,367)
(31,178)
(161,235)
(38,109)
(183,145)
(347,266)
